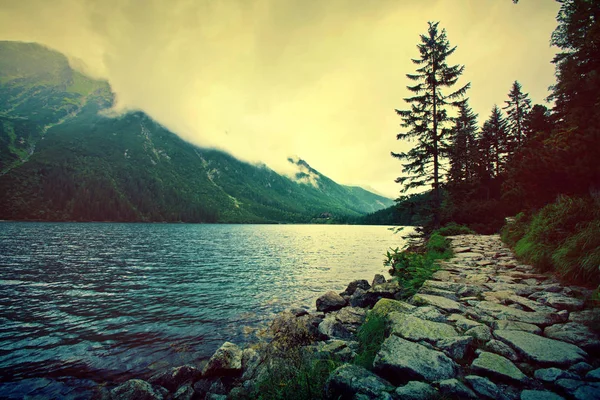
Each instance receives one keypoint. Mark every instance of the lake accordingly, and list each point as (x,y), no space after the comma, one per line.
(83,303)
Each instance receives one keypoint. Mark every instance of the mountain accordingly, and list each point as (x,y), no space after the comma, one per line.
(62,158)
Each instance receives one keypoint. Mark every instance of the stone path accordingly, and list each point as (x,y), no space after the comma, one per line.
(487,326)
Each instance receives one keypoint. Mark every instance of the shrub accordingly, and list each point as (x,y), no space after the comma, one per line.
(513,231)
(370,337)
(578,258)
(453,229)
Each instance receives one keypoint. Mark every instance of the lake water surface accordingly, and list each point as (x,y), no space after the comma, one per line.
(83,303)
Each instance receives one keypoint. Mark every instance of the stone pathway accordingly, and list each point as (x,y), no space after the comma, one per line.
(487,326)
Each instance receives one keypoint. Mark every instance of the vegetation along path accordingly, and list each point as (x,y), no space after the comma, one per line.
(483,327)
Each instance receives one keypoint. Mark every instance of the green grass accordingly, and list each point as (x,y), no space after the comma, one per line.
(370,337)
(453,229)
(563,237)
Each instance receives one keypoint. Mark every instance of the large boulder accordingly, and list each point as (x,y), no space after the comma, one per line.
(495,366)
(455,389)
(135,389)
(411,328)
(577,334)
(342,324)
(400,360)
(415,390)
(227,360)
(386,306)
(457,348)
(175,377)
(500,311)
(546,352)
(352,286)
(348,381)
(330,301)
(442,303)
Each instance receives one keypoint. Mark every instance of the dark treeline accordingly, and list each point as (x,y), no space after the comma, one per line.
(524,155)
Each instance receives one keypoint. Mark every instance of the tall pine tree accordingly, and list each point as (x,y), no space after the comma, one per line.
(463,151)
(517,108)
(493,143)
(427,120)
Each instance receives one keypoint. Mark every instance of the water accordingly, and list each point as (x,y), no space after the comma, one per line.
(83,303)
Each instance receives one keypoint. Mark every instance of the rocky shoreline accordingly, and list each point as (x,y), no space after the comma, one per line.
(484,327)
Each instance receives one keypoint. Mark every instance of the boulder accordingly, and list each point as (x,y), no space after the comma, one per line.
(539,395)
(135,389)
(415,390)
(352,286)
(561,302)
(349,380)
(411,328)
(495,366)
(251,359)
(481,332)
(516,326)
(593,375)
(550,375)
(442,303)
(455,389)
(330,301)
(343,324)
(360,298)
(589,317)
(485,387)
(227,360)
(185,392)
(429,313)
(456,348)
(575,333)
(175,377)
(580,368)
(388,290)
(378,279)
(385,306)
(498,347)
(499,311)
(546,352)
(401,360)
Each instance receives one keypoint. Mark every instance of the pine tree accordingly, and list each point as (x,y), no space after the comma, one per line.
(494,142)
(427,121)
(517,107)
(463,151)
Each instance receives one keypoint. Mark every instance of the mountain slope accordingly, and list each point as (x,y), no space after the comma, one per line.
(61,159)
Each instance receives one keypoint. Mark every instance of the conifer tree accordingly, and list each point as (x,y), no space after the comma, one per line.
(517,108)
(427,121)
(463,151)
(493,143)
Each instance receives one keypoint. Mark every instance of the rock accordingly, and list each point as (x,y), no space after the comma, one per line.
(589,317)
(415,390)
(412,328)
(540,349)
(298,312)
(539,395)
(227,360)
(400,360)
(481,332)
(455,389)
(301,330)
(587,392)
(349,380)
(580,368)
(442,303)
(388,290)
(342,324)
(215,396)
(456,348)
(452,287)
(185,392)
(385,306)
(575,333)
(465,324)
(561,302)
(550,375)
(330,301)
(469,291)
(135,389)
(484,387)
(251,359)
(495,366)
(176,377)
(429,313)
(352,286)
(201,387)
(568,385)
(442,275)
(378,279)
(217,387)
(499,311)
(330,327)
(461,249)
(516,326)
(360,298)
(593,375)
(498,347)
(436,291)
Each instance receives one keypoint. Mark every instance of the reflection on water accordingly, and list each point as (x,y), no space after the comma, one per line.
(103,301)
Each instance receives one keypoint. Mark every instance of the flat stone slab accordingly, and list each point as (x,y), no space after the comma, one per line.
(542,350)
(495,366)
(437,301)
(577,334)
(400,360)
(412,328)
(350,380)
(516,326)
(539,395)
(385,306)
(499,311)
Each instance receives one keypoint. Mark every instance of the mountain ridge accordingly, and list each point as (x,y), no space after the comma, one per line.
(62,159)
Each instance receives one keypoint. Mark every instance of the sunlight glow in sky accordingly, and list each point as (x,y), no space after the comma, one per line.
(268,79)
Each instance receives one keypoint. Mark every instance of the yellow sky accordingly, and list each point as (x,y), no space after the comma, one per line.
(268,79)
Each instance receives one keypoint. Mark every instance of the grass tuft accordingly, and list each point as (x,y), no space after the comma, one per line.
(370,337)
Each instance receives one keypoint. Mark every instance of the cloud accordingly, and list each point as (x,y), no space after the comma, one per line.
(266,79)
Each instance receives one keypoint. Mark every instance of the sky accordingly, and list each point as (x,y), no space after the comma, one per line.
(270,79)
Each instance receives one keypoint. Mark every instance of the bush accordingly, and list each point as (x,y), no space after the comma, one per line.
(453,229)
(370,337)
(563,237)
